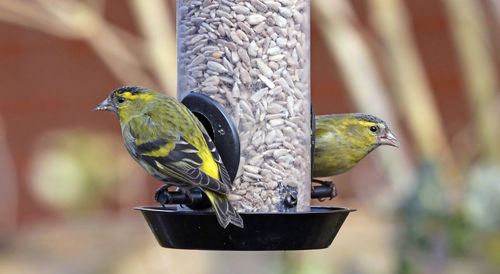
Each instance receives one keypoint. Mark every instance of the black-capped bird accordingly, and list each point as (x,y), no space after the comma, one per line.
(167,140)
(342,140)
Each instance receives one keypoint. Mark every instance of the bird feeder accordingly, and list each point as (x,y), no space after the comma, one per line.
(244,71)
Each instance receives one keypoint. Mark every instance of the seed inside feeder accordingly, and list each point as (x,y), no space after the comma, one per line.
(252,58)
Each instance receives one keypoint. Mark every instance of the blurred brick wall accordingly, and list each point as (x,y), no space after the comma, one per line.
(47,83)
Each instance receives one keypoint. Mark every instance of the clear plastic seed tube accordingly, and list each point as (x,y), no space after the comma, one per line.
(252,57)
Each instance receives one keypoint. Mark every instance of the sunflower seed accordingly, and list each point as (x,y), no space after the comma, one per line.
(240,9)
(259,5)
(255,19)
(264,68)
(211,65)
(256,97)
(266,81)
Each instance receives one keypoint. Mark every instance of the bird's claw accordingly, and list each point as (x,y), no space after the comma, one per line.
(162,196)
(323,183)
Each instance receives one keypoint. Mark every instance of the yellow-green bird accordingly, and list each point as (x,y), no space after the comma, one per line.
(167,140)
(342,140)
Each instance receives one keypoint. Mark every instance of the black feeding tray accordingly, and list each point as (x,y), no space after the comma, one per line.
(184,229)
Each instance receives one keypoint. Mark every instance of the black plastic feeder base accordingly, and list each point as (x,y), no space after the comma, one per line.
(182,229)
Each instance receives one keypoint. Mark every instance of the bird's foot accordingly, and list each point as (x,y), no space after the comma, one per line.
(162,196)
(323,183)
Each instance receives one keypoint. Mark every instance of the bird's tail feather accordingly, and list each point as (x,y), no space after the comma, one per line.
(223,210)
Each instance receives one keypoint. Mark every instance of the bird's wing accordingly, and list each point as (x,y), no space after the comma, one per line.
(321,133)
(169,154)
(223,174)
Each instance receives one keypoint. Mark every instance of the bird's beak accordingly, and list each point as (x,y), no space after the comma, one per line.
(389,139)
(106,105)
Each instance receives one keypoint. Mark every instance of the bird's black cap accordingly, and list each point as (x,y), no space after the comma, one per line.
(132,89)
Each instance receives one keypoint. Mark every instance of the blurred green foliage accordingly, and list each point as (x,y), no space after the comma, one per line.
(74,170)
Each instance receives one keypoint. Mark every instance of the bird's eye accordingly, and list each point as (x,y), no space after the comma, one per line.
(121,100)
(373,129)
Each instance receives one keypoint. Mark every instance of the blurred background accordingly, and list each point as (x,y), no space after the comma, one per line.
(430,68)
